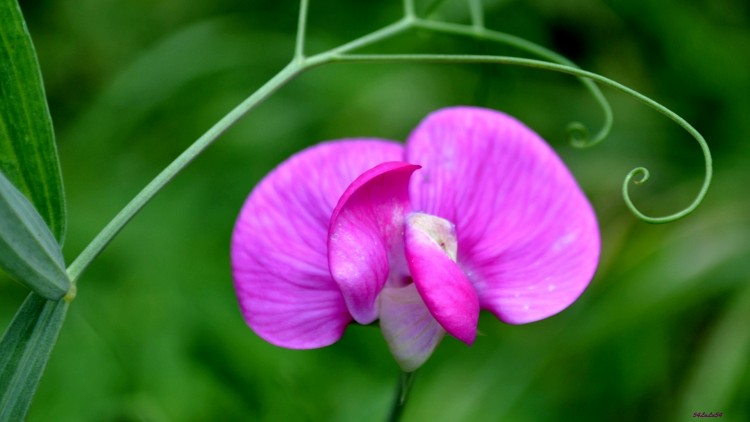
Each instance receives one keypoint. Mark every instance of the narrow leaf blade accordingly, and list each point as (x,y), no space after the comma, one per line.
(24,351)
(28,251)
(28,155)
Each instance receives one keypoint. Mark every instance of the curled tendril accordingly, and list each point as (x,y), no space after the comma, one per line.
(637,176)
(642,175)
(578,133)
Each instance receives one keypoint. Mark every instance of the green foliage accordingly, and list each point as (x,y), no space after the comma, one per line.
(24,351)
(28,155)
(28,251)
(157,334)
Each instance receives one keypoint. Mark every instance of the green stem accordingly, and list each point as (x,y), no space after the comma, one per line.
(477,14)
(637,175)
(298,65)
(299,46)
(144,196)
(432,8)
(409,9)
(339,54)
(381,34)
(403,388)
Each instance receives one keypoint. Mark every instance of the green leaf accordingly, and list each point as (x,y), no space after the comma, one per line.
(24,351)
(28,155)
(28,251)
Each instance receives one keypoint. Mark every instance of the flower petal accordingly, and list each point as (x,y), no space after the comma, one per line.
(527,236)
(366,231)
(408,327)
(279,260)
(430,252)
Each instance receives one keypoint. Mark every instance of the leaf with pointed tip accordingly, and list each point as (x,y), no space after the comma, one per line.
(28,155)
(24,351)
(28,251)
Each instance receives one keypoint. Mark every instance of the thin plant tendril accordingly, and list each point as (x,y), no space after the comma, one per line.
(477,14)
(433,7)
(578,134)
(299,46)
(409,9)
(300,64)
(637,175)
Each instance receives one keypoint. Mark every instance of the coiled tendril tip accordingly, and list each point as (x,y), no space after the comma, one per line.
(578,135)
(638,175)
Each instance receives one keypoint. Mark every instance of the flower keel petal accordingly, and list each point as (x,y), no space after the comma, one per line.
(430,244)
(365,232)
(408,327)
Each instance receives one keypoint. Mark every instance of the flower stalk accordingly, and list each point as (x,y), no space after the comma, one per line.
(403,388)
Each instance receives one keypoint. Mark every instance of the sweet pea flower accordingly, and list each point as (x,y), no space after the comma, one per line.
(475,212)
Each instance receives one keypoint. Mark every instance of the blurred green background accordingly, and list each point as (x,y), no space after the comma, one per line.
(155,333)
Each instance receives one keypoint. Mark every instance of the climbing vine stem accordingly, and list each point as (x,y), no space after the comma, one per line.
(637,175)
(343,54)
(409,9)
(299,46)
(477,14)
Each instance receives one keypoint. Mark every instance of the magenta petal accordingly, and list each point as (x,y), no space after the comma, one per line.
(408,327)
(448,294)
(527,236)
(366,230)
(279,260)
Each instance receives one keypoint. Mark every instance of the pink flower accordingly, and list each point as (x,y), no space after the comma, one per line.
(475,211)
